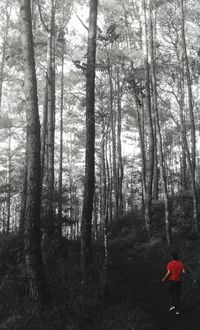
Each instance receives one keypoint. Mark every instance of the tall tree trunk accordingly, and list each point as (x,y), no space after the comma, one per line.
(113,132)
(60,204)
(140,108)
(184,146)
(51,119)
(95,217)
(32,237)
(119,146)
(23,206)
(192,163)
(9,183)
(4,45)
(103,191)
(181,103)
(189,86)
(155,171)
(149,172)
(44,130)
(110,180)
(86,237)
(158,130)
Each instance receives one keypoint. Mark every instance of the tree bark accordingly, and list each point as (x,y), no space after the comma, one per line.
(149,169)
(51,120)
(103,171)
(119,147)
(158,129)
(9,184)
(23,206)
(192,162)
(60,204)
(3,55)
(86,237)
(113,132)
(32,236)
(189,86)
(44,130)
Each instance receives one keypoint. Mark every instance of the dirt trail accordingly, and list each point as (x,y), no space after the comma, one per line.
(143,280)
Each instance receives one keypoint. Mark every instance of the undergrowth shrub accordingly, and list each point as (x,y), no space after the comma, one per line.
(121,244)
(131,222)
(123,316)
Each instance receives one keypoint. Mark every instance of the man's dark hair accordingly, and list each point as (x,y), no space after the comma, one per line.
(175,256)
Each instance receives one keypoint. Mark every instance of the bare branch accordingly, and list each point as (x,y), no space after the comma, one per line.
(82,22)
(41,18)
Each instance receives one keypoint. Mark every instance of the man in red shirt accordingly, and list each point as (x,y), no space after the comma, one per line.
(174,270)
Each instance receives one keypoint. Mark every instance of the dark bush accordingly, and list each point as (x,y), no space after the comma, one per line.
(125,224)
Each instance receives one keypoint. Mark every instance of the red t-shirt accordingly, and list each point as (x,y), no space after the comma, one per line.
(175,267)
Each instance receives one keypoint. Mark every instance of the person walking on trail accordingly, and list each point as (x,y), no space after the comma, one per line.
(175,269)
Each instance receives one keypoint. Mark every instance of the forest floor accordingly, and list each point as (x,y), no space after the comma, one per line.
(142,277)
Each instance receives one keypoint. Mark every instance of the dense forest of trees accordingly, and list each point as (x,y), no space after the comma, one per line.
(99,121)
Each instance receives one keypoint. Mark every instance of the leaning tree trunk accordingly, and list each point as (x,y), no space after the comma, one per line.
(86,235)
(32,237)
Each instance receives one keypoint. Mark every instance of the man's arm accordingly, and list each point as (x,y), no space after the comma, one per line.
(166,275)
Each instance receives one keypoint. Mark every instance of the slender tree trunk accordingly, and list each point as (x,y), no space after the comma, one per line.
(159,136)
(155,171)
(23,205)
(192,162)
(86,239)
(119,146)
(189,86)
(113,131)
(106,258)
(181,88)
(61,146)
(155,174)
(140,108)
(95,218)
(51,119)
(9,184)
(103,171)
(32,236)
(181,103)
(4,46)
(44,130)
(110,182)
(149,173)
(107,200)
